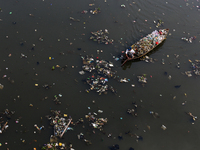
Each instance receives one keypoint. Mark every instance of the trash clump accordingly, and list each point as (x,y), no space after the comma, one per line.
(56,99)
(95,11)
(5,117)
(92,11)
(101,37)
(60,123)
(147,59)
(99,84)
(158,23)
(142,78)
(189,40)
(55,145)
(133,111)
(188,73)
(195,65)
(96,123)
(102,71)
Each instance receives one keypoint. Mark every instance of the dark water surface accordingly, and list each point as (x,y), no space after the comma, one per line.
(51,19)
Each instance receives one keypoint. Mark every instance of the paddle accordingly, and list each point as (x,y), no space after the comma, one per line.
(125,61)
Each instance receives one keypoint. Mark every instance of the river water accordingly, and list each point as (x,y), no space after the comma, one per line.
(126,26)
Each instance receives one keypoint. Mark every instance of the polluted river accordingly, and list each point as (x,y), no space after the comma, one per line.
(62,85)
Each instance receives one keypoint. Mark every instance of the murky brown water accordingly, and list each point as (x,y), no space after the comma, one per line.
(51,19)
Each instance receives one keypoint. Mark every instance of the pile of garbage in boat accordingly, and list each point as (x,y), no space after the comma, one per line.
(195,68)
(5,116)
(101,71)
(101,37)
(149,42)
(60,122)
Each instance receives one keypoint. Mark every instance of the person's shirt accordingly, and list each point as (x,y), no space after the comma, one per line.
(127,51)
(130,51)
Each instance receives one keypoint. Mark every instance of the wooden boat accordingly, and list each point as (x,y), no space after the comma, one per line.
(147,44)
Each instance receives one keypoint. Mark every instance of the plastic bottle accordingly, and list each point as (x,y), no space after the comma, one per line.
(100,111)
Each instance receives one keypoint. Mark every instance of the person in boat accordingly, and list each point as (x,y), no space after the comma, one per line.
(130,53)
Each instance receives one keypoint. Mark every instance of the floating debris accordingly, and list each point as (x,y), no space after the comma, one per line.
(96,123)
(124,80)
(147,59)
(194,118)
(158,23)
(81,136)
(54,146)
(163,61)
(142,78)
(133,111)
(188,73)
(23,56)
(154,114)
(189,40)
(95,11)
(60,123)
(102,70)
(84,12)
(163,127)
(99,85)
(195,68)
(1,86)
(81,72)
(5,117)
(91,4)
(178,65)
(123,6)
(177,86)
(76,20)
(101,37)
